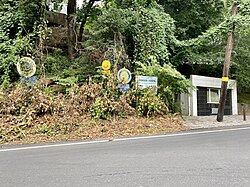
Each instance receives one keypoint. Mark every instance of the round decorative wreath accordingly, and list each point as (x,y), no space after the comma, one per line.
(26,67)
(124,76)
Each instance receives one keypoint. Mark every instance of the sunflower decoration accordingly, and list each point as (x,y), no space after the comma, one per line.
(26,67)
(124,76)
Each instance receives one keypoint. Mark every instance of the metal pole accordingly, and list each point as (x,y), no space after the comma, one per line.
(244,112)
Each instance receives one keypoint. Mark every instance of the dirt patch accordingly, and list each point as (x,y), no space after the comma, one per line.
(17,130)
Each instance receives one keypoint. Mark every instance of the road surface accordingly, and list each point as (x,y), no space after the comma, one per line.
(196,158)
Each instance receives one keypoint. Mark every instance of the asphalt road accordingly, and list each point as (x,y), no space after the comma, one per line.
(220,158)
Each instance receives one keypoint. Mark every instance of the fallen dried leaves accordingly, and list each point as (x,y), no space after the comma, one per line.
(48,128)
(32,115)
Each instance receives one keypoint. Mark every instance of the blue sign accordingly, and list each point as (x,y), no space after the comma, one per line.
(29,80)
(124,87)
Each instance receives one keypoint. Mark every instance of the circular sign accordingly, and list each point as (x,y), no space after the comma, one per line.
(124,76)
(106,65)
(26,67)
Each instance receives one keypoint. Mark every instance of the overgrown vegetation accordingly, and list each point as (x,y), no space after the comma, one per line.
(167,39)
(33,111)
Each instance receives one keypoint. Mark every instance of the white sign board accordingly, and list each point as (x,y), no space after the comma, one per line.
(146,81)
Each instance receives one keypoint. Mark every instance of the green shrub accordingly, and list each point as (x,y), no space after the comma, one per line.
(46,129)
(170,81)
(98,110)
(150,104)
(59,68)
(56,62)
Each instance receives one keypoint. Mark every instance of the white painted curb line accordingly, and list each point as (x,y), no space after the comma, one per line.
(122,139)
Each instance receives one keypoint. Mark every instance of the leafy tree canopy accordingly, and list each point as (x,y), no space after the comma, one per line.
(192,17)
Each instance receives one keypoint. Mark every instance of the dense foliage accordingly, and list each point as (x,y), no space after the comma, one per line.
(18,20)
(193,17)
(153,37)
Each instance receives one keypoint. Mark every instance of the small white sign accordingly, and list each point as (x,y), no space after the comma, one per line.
(146,81)
(214,110)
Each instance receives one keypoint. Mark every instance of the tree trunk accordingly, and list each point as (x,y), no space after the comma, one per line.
(71,21)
